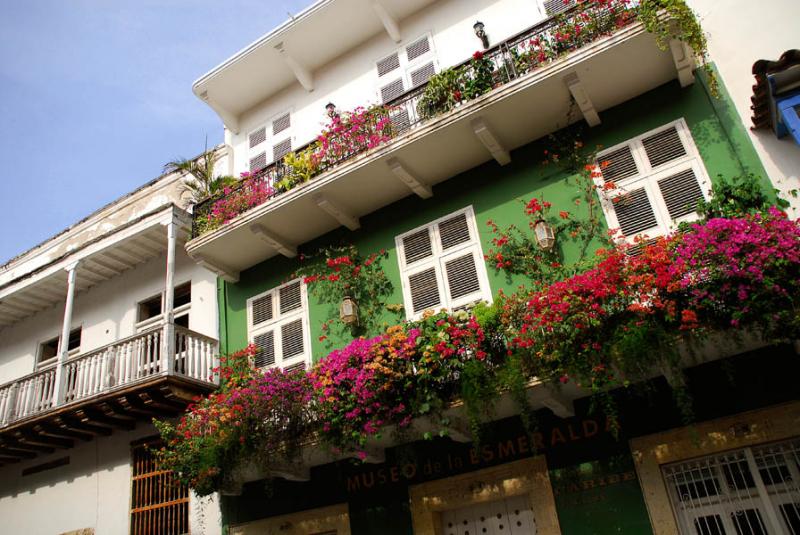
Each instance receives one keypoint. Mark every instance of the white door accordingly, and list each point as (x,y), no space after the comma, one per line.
(512,516)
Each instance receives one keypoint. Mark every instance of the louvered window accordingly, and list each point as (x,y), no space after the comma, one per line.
(653,182)
(403,69)
(278,326)
(442,265)
(269,142)
(554,7)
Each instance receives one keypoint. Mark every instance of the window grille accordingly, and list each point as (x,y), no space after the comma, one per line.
(159,503)
(278,326)
(653,182)
(442,265)
(751,491)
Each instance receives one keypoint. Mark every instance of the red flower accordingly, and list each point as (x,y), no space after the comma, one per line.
(478,55)
(563,214)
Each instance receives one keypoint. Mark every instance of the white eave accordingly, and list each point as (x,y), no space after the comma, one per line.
(292,52)
(98,260)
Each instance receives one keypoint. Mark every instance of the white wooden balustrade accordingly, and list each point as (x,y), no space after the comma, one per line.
(114,366)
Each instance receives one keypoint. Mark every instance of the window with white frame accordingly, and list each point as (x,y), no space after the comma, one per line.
(270,142)
(277,323)
(751,491)
(404,69)
(651,183)
(442,266)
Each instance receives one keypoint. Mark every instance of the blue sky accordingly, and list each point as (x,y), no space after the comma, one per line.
(95,97)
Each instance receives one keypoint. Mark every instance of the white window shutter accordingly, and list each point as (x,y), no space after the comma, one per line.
(281,123)
(454,231)
(659,177)
(258,162)
(554,7)
(442,265)
(663,147)
(621,165)
(265,342)
(424,289)
(279,326)
(417,246)
(258,137)
(290,297)
(681,192)
(388,64)
(422,74)
(418,48)
(392,90)
(292,340)
(279,150)
(461,274)
(635,212)
(261,310)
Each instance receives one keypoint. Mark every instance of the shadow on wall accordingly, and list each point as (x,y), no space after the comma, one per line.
(85,460)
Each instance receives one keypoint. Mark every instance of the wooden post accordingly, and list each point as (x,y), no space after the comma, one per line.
(63,343)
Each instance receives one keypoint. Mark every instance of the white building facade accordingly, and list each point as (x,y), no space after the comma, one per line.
(140,322)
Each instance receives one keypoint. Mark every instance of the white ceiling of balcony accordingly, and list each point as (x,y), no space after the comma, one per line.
(314,38)
(100,260)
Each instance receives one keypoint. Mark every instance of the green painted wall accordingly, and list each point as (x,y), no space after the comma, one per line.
(496,193)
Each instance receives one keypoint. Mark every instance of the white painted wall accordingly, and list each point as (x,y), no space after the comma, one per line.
(352,80)
(741,32)
(107,313)
(92,491)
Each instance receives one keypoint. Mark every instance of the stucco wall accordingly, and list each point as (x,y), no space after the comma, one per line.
(92,491)
(741,32)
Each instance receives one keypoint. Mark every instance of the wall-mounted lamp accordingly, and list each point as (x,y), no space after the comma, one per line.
(348,311)
(545,236)
(330,109)
(481,33)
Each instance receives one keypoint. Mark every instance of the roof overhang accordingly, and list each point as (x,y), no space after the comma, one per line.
(599,76)
(292,52)
(98,260)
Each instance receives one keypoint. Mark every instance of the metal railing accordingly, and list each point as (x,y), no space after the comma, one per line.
(513,58)
(108,368)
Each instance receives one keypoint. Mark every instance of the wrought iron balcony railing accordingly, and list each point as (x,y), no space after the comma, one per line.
(509,60)
(113,367)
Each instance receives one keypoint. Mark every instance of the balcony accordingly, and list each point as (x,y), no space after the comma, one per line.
(112,387)
(530,97)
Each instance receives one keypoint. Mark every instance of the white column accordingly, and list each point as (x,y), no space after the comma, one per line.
(168,335)
(63,343)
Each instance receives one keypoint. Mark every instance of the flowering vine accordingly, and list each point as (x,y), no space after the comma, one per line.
(622,320)
(334,273)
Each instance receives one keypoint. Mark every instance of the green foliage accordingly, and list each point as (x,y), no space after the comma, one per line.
(302,166)
(443,92)
(203,183)
(333,273)
(737,197)
(516,251)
